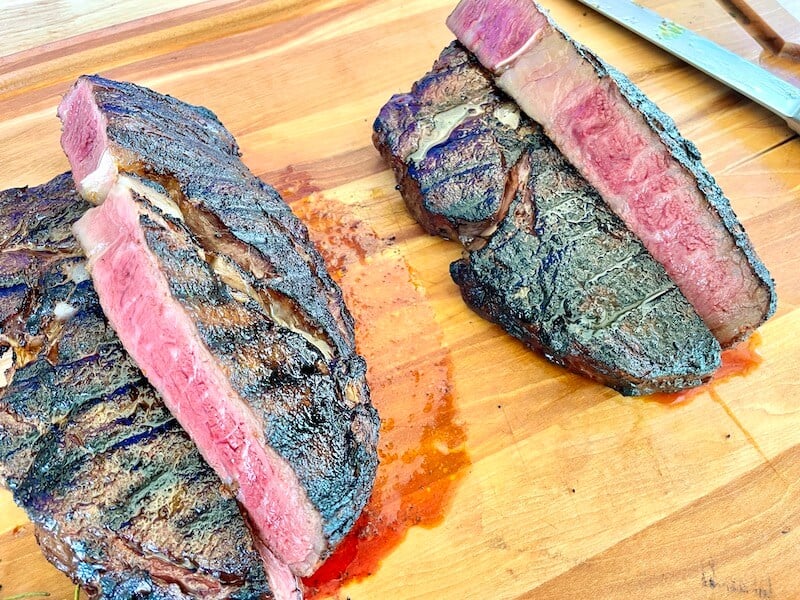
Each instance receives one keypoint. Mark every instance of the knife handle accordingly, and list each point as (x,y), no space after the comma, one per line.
(769,23)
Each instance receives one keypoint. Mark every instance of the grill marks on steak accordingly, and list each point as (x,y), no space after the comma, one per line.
(556,268)
(631,152)
(112,127)
(121,500)
(600,304)
(225,257)
(455,144)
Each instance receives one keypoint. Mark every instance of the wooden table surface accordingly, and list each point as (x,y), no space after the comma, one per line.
(568,490)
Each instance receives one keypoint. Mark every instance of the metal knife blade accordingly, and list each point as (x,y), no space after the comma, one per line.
(747,78)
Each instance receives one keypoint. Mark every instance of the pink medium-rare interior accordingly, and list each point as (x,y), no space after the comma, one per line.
(495,30)
(609,142)
(85,142)
(159,335)
(282,582)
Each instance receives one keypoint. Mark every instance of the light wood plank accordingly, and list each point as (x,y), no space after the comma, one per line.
(54,19)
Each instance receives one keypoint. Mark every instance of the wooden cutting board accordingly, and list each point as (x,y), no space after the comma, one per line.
(562,488)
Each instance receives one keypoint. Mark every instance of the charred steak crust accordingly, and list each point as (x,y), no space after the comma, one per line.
(121,500)
(314,406)
(188,150)
(570,280)
(552,264)
(460,189)
(276,370)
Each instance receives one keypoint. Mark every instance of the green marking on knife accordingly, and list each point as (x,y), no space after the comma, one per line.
(669,29)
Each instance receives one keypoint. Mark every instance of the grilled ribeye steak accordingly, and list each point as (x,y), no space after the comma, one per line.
(456,145)
(259,362)
(121,500)
(631,152)
(552,264)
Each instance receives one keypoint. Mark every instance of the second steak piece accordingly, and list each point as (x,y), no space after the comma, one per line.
(216,292)
(547,259)
(631,152)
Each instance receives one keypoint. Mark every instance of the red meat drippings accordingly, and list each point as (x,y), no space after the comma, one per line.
(422,445)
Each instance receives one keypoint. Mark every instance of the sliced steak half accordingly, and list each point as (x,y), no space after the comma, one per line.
(631,152)
(553,265)
(121,500)
(214,288)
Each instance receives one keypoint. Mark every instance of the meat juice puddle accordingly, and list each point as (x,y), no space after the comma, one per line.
(422,445)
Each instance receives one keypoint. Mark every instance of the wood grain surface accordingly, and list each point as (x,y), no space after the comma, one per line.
(572,491)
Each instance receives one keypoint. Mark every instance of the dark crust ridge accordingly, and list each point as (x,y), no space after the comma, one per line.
(234,215)
(121,500)
(557,269)
(564,275)
(188,150)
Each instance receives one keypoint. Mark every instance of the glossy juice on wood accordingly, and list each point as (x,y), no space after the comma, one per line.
(422,445)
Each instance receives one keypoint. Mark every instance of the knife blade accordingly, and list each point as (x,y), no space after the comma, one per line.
(750,80)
